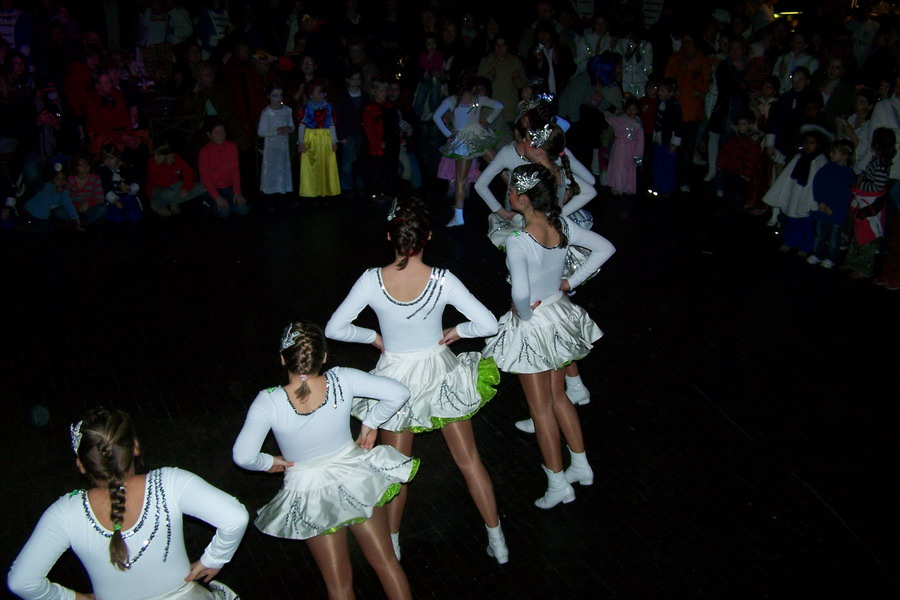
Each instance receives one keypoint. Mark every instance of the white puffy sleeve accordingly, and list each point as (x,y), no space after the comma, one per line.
(245,452)
(517,263)
(28,575)
(586,193)
(340,326)
(601,250)
(495,105)
(390,393)
(210,504)
(438,117)
(482,322)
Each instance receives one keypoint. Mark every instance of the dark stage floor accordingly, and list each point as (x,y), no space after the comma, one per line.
(742,428)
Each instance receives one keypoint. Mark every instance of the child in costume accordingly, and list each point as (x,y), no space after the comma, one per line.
(331,483)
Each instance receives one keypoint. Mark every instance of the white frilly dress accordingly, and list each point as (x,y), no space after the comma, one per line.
(556,332)
(471,139)
(276,159)
(334,482)
(444,386)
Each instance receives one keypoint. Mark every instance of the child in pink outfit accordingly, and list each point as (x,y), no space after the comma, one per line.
(627,149)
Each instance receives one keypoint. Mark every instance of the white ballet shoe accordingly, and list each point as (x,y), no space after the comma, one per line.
(457,219)
(558,490)
(395,542)
(579,470)
(497,544)
(577,391)
(526,425)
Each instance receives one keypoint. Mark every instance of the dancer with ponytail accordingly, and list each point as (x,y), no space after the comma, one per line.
(127,527)
(409,298)
(331,484)
(543,145)
(544,331)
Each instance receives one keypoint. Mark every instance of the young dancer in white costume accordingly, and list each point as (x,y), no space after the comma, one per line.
(544,331)
(409,298)
(331,483)
(544,145)
(127,527)
(468,136)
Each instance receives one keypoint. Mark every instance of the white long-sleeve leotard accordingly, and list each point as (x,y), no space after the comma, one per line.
(409,326)
(159,562)
(323,432)
(465,115)
(508,159)
(535,271)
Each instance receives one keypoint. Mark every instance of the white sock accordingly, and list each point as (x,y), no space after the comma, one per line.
(459,213)
(574,383)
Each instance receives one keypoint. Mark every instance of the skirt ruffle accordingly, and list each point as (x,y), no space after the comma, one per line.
(444,387)
(321,496)
(558,333)
(470,142)
(192,590)
(447,170)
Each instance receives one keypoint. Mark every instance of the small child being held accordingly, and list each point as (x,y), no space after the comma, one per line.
(831,191)
(867,206)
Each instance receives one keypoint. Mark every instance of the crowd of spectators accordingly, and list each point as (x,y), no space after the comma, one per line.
(134,99)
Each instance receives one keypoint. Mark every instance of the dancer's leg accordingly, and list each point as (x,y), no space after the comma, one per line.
(539,394)
(564,412)
(402,441)
(333,559)
(461,441)
(375,543)
(462,178)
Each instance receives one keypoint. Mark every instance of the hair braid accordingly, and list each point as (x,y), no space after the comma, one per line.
(107,455)
(306,355)
(572,187)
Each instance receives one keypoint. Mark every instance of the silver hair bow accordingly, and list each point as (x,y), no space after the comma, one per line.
(533,102)
(523,183)
(392,214)
(289,337)
(75,434)
(540,137)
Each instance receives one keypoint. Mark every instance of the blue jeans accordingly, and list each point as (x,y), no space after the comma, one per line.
(828,241)
(230,205)
(350,167)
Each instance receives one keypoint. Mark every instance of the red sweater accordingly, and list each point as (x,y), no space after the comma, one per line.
(104,118)
(740,154)
(164,175)
(218,166)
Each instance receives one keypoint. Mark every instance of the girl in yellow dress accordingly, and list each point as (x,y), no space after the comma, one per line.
(317,144)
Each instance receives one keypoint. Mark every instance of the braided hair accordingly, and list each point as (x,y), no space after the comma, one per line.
(409,229)
(107,454)
(306,354)
(543,196)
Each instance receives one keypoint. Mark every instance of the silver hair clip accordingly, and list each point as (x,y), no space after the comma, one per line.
(75,434)
(289,338)
(528,105)
(392,214)
(523,183)
(540,137)
(546,97)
